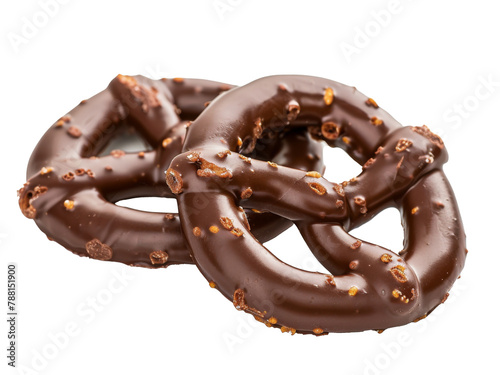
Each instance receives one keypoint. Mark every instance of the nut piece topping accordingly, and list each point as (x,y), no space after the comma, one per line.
(356,245)
(399,274)
(97,250)
(353,291)
(247,193)
(272,164)
(74,131)
(328,96)
(403,144)
(197,231)
(317,188)
(208,169)
(376,121)
(117,153)
(158,257)
(330,130)
(226,223)
(174,181)
(214,229)
(386,258)
(46,170)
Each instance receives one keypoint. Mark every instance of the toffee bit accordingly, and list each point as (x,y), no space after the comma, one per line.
(379,150)
(330,130)
(317,188)
(237,232)
(98,250)
(445,297)
(141,155)
(346,140)
(330,280)
(206,104)
(63,120)
(223,154)
(90,173)
(371,103)
(117,153)
(356,245)
(256,211)
(272,320)
(313,174)
(396,293)
(328,96)
(386,258)
(80,171)
(193,156)
(339,189)
(272,164)
(288,329)
(245,159)
(178,80)
(158,257)
(169,216)
(46,170)
(339,203)
(282,87)
(353,264)
(174,181)
(353,291)
(239,300)
(212,284)
(69,204)
(403,144)
(376,121)
(399,274)
(214,229)
(74,131)
(108,168)
(197,231)
(208,169)
(439,205)
(247,193)
(426,132)
(226,223)
(368,163)
(317,331)
(414,210)
(360,201)
(166,142)
(239,141)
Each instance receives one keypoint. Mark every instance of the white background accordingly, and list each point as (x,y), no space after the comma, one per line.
(426,62)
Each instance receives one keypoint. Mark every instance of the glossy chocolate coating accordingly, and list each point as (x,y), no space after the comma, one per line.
(72,186)
(369,287)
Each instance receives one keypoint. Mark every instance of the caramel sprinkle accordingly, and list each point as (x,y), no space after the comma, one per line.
(353,291)
(69,204)
(46,170)
(371,103)
(313,174)
(166,142)
(317,188)
(158,257)
(317,331)
(376,121)
(328,96)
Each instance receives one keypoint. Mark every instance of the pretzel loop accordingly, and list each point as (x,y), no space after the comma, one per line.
(74,177)
(369,287)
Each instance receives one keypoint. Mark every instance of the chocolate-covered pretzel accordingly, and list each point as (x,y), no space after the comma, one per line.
(369,287)
(74,178)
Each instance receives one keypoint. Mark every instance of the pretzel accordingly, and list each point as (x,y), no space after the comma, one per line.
(369,287)
(73,185)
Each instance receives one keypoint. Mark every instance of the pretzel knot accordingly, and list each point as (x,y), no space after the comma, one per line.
(76,175)
(369,287)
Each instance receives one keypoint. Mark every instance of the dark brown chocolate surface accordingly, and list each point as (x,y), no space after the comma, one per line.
(369,287)
(74,178)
